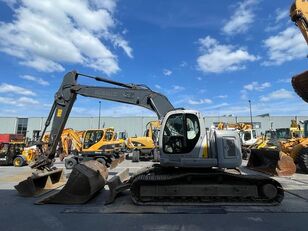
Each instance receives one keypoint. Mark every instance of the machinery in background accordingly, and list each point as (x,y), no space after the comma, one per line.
(10,153)
(121,136)
(27,156)
(247,134)
(97,144)
(145,147)
(11,149)
(193,165)
(280,152)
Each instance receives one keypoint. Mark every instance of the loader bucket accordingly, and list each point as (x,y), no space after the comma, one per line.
(300,85)
(86,179)
(40,183)
(271,161)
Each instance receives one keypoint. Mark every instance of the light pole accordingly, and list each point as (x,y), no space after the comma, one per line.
(99,115)
(249,101)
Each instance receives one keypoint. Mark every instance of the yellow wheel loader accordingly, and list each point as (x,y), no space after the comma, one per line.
(196,166)
(272,154)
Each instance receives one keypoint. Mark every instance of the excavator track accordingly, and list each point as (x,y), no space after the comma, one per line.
(204,187)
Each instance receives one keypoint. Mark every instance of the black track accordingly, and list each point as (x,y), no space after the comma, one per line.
(158,176)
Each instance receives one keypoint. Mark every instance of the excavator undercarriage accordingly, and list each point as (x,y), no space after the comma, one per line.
(199,186)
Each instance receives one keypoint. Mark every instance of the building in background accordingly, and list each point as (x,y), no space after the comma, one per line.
(32,126)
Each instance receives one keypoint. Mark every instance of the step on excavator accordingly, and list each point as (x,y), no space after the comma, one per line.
(196,166)
(283,161)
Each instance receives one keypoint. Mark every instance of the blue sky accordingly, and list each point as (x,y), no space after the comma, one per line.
(201,55)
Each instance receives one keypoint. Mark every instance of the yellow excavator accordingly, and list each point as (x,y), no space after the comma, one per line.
(143,147)
(196,166)
(101,145)
(283,161)
(94,144)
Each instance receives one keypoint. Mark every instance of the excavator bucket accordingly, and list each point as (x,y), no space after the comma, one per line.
(40,183)
(272,162)
(300,85)
(86,180)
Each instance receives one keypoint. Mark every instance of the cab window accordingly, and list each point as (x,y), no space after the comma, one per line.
(91,138)
(181,133)
(109,135)
(247,136)
(254,134)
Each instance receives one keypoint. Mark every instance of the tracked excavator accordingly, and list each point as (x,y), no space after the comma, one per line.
(196,166)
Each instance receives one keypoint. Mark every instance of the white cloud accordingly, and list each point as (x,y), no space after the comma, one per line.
(200,101)
(242,18)
(40,81)
(218,58)
(20,102)
(285,46)
(199,78)
(280,20)
(222,96)
(183,64)
(114,111)
(277,95)
(157,86)
(287,80)
(46,34)
(167,72)
(257,86)
(282,14)
(8,88)
(175,89)
(215,107)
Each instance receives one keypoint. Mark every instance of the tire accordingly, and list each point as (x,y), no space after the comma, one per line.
(101,160)
(70,163)
(18,161)
(302,160)
(136,156)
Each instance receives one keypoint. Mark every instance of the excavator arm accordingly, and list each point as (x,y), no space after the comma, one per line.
(299,15)
(66,96)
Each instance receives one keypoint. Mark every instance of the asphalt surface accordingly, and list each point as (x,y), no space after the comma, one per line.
(19,213)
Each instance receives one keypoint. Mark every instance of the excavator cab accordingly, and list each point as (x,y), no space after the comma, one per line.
(184,142)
